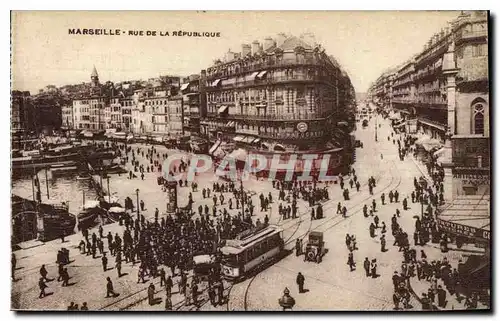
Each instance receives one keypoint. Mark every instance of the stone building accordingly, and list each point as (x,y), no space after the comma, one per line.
(284,95)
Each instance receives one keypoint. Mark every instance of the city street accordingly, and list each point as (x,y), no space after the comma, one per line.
(330,279)
(399,221)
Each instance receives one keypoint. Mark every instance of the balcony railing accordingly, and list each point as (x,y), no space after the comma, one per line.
(471,161)
(470,35)
(268,117)
(273,80)
(268,64)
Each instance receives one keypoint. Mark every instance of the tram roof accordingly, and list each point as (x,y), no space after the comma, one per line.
(238,246)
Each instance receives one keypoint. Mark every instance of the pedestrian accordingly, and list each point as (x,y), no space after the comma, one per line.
(109,288)
(60,271)
(104,260)
(84,307)
(297,248)
(43,273)
(373,268)
(382,243)
(118,267)
(211,295)
(350,262)
(194,291)
(151,294)
(441,294)
(188,295)
(65,277)
(42,286)
(163,279)
(168,285)
(300,282)
(366,266)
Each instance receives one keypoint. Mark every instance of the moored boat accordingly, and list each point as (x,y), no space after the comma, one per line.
(90,214)
(115,213)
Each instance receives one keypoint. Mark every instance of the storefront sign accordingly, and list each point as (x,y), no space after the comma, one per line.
(463,230)
(473,179)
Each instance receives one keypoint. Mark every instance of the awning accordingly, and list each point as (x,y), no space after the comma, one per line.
(184,86)
(222,109)
(279,147)
(439,152)
(238,138)
(261,74)
(430,144)
(230,124)
(468,215)
(247,139)
(400,124)
(252,76)
(256,140)
(215,83)
(214,147)
(239,154)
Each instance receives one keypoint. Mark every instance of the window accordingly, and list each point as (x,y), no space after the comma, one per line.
(480,50)
(478,119)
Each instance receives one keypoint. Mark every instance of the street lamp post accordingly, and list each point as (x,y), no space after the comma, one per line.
(376,136)
(109,194)
(137,195)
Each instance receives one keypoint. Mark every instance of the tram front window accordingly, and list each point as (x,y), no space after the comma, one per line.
(231,260)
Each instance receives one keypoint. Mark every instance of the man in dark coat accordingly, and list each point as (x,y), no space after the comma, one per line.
(441,294)
(42,286)
(300,282)
(109,288)
(366,266)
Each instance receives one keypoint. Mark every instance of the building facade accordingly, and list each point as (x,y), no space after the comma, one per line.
(284,95)
(68,118)
(21,112)
(445,89)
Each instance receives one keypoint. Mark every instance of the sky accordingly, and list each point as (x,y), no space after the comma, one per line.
(366,43)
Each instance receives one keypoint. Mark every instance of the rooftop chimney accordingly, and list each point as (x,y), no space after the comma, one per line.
(255,47)
(268,43)
(245,50)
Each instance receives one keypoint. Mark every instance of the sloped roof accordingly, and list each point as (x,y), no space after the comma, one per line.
(293,42)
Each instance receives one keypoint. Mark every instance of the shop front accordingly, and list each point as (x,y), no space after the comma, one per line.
(467,220)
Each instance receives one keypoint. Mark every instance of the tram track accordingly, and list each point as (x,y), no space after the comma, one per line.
(395,177)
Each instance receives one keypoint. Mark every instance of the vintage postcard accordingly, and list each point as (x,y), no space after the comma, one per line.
(250,161)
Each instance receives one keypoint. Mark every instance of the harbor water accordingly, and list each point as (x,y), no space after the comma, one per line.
(63,187)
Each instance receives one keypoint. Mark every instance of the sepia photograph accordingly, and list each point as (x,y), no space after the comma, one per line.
(250,161)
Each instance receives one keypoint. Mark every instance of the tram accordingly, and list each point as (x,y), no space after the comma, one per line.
(250,251)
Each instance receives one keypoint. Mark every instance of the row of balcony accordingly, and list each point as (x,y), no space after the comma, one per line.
(270,117)
(430,71)
(470,161)
(464,35)
(433,100)
(310,61)
(432,89)
(274,80)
